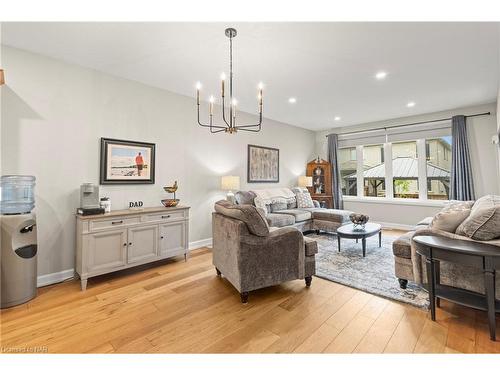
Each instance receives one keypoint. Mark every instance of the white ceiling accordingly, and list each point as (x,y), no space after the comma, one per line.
(328,67)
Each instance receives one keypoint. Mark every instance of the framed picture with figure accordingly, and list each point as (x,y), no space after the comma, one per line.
(127,162)
(263,164)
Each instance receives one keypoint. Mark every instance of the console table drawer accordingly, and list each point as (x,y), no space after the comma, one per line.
(166,216)
(113,223)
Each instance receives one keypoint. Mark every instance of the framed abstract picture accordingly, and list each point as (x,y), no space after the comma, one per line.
(127,162)
(263,164)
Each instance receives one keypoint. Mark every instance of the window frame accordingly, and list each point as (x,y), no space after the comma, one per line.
(389,191)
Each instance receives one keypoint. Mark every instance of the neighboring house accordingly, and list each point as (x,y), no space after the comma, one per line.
(405,169)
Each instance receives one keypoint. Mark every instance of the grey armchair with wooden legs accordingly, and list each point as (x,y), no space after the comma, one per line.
(251,255)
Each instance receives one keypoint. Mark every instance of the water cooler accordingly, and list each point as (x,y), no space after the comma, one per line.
(18,256)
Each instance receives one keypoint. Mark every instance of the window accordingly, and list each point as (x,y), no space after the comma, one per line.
(373,171)
(438,167)
(420,168)
(348,169)
(405,169)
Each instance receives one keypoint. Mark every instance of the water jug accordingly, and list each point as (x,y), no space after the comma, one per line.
(17,194)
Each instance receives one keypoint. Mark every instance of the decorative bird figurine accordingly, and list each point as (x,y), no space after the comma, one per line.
(171,189)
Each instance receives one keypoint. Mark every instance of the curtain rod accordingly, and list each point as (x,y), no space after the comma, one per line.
(413,123)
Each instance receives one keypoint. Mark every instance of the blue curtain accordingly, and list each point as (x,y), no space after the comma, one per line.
(333,146)
(461,182)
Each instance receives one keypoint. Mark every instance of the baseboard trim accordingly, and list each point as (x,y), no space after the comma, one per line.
(396,226)
(56,277)
(200,243)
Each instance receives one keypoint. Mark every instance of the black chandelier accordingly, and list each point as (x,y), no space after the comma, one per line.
(229,126)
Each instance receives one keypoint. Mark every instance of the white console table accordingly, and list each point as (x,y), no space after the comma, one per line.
(127,238)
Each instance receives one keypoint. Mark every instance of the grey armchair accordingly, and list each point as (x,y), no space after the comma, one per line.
(251,255)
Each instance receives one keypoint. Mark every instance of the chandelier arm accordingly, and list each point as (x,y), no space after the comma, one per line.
(208,125)
(221,129)
(248,130)
(249,126)
(224,111)
(213,126)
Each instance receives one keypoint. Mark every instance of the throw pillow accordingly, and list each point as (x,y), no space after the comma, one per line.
(278,205)
(291,204)
(244,197)
(304,200)
(483,224)
(252,216)
(448,219)
(488,201)
(259,203)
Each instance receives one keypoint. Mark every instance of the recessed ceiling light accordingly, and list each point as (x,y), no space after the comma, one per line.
(381,75)
(337,118)
(410,104)
(292,100)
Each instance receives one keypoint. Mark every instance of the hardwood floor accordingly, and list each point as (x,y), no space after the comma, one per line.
(178,307)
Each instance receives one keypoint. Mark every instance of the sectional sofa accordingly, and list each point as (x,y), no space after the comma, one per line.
(281,210)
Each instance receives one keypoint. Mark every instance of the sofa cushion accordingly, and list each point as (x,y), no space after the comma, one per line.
(292,203)
(483,225)
(450,217)
(401,247)
(298,214)
(278,205)
(250,215)
(304,200)
(311,246)
(280,220)
(311,209)
(245,197)
(328,214)
(486,201)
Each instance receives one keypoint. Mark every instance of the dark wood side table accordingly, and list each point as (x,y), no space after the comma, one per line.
(483,256)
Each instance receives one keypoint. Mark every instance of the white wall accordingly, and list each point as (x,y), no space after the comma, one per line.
(484,157)
(54,113)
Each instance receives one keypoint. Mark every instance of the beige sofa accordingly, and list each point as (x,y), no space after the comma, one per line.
(409,266)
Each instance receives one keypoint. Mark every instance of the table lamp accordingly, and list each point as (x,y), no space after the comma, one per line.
(305,181)
(230,183)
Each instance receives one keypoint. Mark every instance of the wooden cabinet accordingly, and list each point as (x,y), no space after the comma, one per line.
(142,243)
(172,239)
(127,238)
(321,173)
(107,250)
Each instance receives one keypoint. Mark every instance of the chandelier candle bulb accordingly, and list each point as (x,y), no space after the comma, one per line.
(211,105)
(198,87)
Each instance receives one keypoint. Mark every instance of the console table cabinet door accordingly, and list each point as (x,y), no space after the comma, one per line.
(142,243)
(107,250)
(173,238)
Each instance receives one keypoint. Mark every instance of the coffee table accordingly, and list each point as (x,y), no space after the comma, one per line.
(371,229)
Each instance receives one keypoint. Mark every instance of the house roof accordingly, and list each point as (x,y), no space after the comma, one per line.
(404,167)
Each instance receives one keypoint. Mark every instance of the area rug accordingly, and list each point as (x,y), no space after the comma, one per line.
(373,274)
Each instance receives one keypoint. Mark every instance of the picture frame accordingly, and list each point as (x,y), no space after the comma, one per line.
(263,164)
(125,162)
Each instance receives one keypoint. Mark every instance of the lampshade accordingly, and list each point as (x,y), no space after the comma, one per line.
(230,182)
(305,181)
(2,77)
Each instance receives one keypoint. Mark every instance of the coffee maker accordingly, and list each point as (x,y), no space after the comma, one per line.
(89,200)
